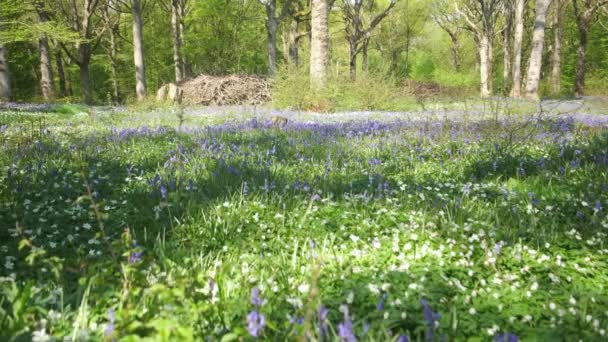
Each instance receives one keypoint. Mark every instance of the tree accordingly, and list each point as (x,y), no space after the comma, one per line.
(584,16)
(299,15)
(138,50)
(448,21)
(177,8)
(480,17)
(319,43)
(135,8)
(272,25)
(60,72)
(357,35)
(520,6)
(507,38)
(80,14)
(46,69)
(5,80)
(176,28)
(536,54)
(558,33)
(112,24)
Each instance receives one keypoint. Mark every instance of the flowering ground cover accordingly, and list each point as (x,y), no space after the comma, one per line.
(355,227)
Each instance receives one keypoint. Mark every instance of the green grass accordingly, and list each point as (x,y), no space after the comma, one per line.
(111,233)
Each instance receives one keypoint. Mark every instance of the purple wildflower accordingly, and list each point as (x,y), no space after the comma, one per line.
(315,197)
(109,330)
(430,317)
(163,192)
(345,331)
(255,323)
(374,162)
(598,205)
(506,337)
(135,257)
(533,199)
(380,305)
(255,297)
(322,313)
(403,338)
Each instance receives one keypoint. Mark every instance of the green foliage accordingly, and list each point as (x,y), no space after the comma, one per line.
(291,89)
(125,228)
(423,70)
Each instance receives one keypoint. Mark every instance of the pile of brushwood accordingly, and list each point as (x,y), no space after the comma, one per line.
(217,90)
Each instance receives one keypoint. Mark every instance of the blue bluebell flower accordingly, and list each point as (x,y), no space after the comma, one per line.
(110,327)
(255,323)
(255,297)
(506,337)
(345,331)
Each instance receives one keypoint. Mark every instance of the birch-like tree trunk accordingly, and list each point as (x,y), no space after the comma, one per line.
(177,39)
(138,51)
(319,43)
(507,37)
(536,54)
(485,65)
(186,66)
(558,28)
(5,79)
(46,69)
(517,47)
(114,66)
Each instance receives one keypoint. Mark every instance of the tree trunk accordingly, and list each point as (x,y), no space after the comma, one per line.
(5,79)
(558,33)
(506,48)
(455,48)
(536,55)
(85,83)
(271,30)
(365,57)
(186,66)
(517,47)
(60,72)
(138,51)
(352,57)
(46,70)
(293,44)
(177,43)
(319,43)
(581,56)
(114,66)
(484,65)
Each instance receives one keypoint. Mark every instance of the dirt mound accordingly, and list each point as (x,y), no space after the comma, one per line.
(218,90)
